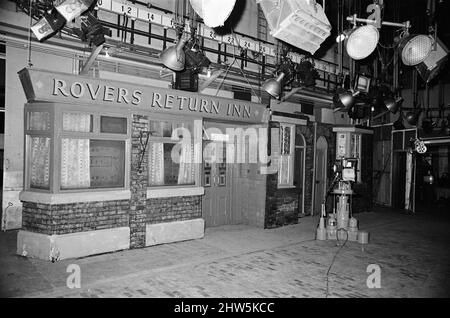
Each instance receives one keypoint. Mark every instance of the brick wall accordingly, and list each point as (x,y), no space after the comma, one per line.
(282,204)
(173,209)
(139,183)
(143,210)
(74,217)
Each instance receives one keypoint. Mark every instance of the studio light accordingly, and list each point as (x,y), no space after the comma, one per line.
(434,62)
(48,25)
(173,57)
(214,13)
(362,83)
(92,30)
(273,86)
(71,9)
(345,99)
(195,58)
(301,23)
(415,49)
(362,41)
(393,105)
(412,118)
(307,73)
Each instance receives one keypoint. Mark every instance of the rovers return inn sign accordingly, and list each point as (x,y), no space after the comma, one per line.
(41,85)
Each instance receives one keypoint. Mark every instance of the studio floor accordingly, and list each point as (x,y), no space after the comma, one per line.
(411,251)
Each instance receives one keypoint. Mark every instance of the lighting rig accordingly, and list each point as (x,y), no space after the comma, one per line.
(75,16)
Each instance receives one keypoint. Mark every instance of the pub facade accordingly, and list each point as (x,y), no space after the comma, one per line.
(100,172)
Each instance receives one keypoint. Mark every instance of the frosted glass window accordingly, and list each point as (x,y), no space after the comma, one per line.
(163,170)
(38,121)
(77,122)
(39,149)
(92,163)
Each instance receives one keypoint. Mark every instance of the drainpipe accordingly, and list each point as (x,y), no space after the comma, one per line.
(314,169)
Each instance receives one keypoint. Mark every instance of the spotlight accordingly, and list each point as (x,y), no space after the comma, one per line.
(415,49)
(393,105)
(362,41)
(195,59)
(92,30)
(362,83)
(307,73)
(70,9)
(214,13)
(412,118)
(345,99)
(434,62)
(273,86)
(48,25)
(173,57)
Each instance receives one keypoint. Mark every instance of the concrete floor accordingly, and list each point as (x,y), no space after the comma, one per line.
(240,261)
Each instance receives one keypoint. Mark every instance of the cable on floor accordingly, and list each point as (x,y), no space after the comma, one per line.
(335,255)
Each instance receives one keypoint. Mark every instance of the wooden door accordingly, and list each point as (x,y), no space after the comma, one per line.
(216,205)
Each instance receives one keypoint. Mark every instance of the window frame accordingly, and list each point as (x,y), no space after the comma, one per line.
(291,161)
(56,134)
(197,134)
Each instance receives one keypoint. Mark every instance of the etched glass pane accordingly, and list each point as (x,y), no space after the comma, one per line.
(77,122)
(39,121)
(92,163)
(39,156)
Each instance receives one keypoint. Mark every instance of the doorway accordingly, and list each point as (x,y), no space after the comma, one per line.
(399,179)
(217,180)
(321,173)
(299,172)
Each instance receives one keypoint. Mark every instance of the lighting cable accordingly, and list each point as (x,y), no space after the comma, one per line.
(242,72)
(29,34)
(335,256)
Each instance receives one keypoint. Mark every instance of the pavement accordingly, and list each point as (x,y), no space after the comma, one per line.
(409,252)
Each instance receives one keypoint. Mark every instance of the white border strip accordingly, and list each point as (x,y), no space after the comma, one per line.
(290,120)
(154,193)
(74,197)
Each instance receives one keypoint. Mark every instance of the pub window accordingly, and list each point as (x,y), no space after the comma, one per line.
(170,158)
(91,149)
(39,162)
(38,143)
(286,163)
(90,157)
(92,163)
